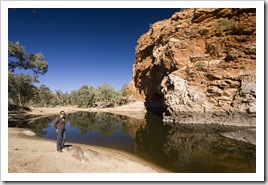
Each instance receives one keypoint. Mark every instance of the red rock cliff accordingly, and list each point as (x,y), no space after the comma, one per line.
(199,66)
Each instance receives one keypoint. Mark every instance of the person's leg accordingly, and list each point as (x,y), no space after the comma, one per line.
(63,138)
(59,140)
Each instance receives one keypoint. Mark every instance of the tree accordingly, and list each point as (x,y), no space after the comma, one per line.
(86,96)
(106,92)
(74,97)
(19,58)
(43,96)
(20,88)
(59,97)
(124,90)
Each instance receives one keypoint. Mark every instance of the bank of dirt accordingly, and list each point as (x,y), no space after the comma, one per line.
(30,154)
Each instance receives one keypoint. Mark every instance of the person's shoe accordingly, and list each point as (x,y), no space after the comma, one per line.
(59,150)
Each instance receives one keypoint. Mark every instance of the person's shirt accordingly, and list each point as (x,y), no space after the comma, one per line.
(60,123)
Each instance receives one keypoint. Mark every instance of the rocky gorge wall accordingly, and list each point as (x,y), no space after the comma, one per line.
(199,66)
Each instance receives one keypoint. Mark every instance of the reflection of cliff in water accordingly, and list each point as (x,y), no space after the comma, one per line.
(194,148)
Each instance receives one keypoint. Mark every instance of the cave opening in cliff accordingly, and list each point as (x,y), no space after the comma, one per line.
(154,104)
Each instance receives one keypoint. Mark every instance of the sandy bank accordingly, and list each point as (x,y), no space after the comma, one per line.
(135,110)
(30,154)
(36,155)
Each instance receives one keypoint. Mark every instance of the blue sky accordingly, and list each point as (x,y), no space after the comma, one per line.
(85,46)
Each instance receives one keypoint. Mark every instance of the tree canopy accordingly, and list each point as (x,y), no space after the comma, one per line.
(19,58)
(20,86)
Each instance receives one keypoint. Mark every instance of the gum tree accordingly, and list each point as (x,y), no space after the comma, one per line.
(20,86)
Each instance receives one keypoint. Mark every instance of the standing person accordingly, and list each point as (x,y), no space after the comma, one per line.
(60,130)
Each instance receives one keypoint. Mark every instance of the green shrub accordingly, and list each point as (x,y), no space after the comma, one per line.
(226,24)
(200,65)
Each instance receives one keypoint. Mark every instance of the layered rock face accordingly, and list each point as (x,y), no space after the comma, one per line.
(199,66)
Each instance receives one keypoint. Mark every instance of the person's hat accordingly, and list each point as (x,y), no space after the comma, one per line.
(62,112)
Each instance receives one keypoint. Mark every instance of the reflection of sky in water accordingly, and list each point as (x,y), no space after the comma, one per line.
(117,140)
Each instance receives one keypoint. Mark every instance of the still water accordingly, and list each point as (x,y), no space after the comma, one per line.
(182,148)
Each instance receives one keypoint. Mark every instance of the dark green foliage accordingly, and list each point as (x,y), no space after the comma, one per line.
(43,96)
(86,96)
(19,58)
(20,88)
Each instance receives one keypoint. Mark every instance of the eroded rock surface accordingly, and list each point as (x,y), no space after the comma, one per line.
(199,66)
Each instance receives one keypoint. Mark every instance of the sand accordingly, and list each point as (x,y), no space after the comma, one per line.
(28,153)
